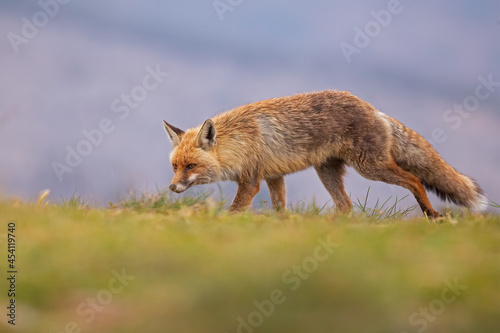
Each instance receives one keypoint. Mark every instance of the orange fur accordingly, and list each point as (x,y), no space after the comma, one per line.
(327,130)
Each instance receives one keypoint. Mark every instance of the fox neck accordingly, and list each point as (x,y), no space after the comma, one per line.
(229,174)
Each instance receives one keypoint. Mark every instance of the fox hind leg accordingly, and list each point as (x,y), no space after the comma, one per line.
(391,173)
(331,175)
(277,190)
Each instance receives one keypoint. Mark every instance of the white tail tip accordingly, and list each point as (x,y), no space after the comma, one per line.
(480,204)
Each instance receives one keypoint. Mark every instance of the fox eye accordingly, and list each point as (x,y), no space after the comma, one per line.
(174,166)
(190,166)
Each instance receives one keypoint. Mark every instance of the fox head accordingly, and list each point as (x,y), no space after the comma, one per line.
(193,158)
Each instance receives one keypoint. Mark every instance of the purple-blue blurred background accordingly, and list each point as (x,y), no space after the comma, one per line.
(64,77)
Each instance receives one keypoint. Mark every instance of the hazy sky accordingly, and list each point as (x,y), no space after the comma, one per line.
(85,85)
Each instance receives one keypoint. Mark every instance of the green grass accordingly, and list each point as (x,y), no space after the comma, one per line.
(196,268)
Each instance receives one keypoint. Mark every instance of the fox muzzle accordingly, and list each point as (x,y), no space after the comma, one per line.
(178,188)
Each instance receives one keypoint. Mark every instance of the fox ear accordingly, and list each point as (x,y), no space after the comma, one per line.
(207,135)
(174,134)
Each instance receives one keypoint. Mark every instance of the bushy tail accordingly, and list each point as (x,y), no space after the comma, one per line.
(414,154)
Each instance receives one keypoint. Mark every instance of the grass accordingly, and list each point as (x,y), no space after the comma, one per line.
(76,201)
(383,210)
(189,266)
(165,203)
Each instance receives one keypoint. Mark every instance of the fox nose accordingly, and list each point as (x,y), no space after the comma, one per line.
(172,187)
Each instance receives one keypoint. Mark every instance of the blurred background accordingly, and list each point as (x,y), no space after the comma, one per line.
(85,85)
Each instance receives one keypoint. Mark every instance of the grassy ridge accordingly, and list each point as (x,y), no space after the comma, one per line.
(191,267)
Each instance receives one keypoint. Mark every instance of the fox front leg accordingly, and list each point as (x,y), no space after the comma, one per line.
(277,190)
(245,194)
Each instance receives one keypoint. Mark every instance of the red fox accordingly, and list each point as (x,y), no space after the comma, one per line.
(327,130)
